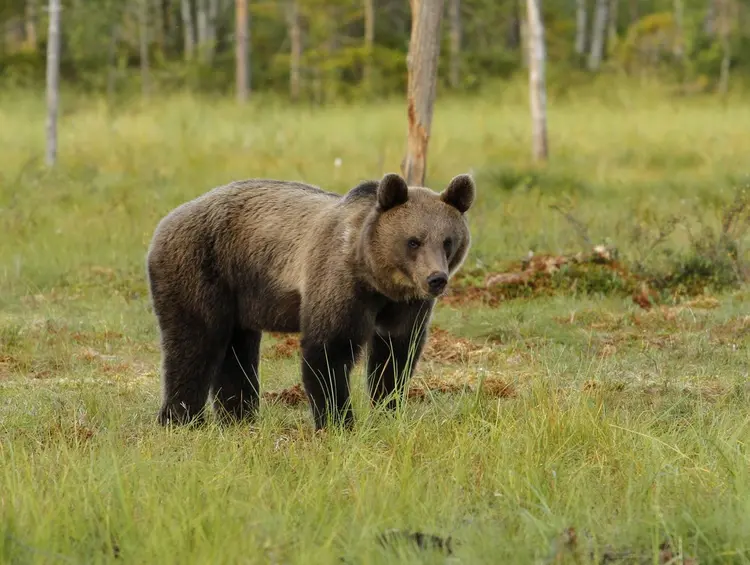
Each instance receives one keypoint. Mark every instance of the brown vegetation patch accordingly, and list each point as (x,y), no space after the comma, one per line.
(581,546)
(444,347)
(491,386)
(419,390)
(292,396)
(285,347)
(545,274)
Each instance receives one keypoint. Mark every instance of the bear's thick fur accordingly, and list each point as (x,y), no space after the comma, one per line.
(348,272)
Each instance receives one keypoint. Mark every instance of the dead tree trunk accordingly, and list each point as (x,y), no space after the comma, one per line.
(158,13)
(187,28)
(295,54)
(422,65)
(241,50)
(537,86)
(581,26)
(369,40)
(726,48)
(30,24)
(601,19)
(454,17)
(201,16)
(143,44)
(213,16)
(53,80)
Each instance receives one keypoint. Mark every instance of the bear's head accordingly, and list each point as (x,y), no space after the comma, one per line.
(416,239)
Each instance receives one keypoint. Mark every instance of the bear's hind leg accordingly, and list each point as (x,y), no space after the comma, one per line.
(192,356)
(236,385)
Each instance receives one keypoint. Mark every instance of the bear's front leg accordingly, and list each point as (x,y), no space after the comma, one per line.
(395,350)
(325,375)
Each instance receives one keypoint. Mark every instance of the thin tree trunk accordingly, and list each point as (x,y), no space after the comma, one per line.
(581,27)
(611,35)
(513,37)
(709,22)
(724,29)
(537,86)
(634,12)
(112,61)
(295,54)
(597,37)
(143,42)
(202,20)
(159,24)
(679,28)
(30,24)
(213,15)
(422,66)
(241,49)
(187,27)
(454,17)
(53,80)
(369,40)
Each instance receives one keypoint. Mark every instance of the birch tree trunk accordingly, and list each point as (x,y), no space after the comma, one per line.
(143,44)
(241,29)
(454,17)
(187,27)
(581,23)
(53,80)
(537,86)
(601,18)
(422,65)
(295,54)
(369,40)
(30,24)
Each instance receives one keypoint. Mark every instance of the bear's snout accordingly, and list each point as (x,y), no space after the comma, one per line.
(437,282)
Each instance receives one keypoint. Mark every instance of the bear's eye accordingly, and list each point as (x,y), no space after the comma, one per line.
(448,246)
(413,243)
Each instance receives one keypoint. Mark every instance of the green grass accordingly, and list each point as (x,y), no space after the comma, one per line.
(629,425)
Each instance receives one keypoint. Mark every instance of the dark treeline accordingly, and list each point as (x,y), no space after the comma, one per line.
(328,49)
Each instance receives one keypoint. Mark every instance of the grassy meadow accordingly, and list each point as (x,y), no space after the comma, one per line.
(629,424)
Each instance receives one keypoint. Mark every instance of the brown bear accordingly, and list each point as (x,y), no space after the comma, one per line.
(362,270)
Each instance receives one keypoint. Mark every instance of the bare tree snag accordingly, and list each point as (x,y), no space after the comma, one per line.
(201,17)
(422,65)
(601,20)
(537,86)
(143,43)
(295,54)
(726,47)
(454,17)
(369,39)
(30,24)
(581,26)
(241,50)
(187,29)
(53,80)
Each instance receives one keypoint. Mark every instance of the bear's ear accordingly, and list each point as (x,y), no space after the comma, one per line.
(460,193)
(392,191)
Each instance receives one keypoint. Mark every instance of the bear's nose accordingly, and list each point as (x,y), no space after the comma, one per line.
(437,282)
